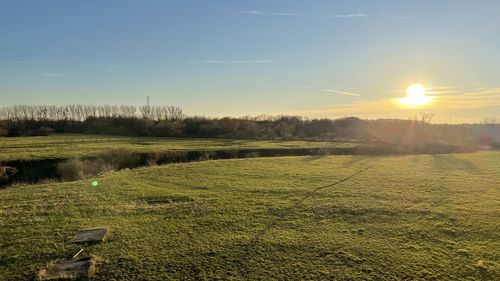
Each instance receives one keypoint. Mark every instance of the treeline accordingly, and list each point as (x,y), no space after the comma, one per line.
(78,112)
(170,121)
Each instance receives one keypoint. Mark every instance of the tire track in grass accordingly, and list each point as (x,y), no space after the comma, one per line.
(243,269)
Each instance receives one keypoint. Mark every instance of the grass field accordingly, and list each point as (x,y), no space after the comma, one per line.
(406,218)
(74,146)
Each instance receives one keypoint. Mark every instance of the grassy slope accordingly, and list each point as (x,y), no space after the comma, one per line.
(71,146)
(412,217)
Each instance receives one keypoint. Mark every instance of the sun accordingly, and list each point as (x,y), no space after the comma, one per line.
(415,97)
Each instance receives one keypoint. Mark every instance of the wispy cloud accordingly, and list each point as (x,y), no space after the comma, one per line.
(454,92)
(232,61)
(358,15)
(464,97)
(443,90)
(483,92)
(282,14)
(52,74)
(296,14)
(341,93)
(289,14)
(456,106)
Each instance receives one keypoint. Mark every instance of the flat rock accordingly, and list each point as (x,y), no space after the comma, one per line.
(89,236)
(67,269)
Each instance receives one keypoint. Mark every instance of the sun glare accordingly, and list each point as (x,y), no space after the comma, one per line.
(415,96)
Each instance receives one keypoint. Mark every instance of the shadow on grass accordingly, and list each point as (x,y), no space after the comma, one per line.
(449,162)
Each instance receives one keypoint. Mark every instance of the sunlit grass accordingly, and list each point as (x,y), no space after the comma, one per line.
(74,145)
(413,217)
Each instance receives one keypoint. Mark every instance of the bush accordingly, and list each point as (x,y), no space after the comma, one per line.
(207,155)
(76,169)
(45,131)
(324,151)
(6,174)
(251,154)
(153,159)
(495,145)
(173,157)
(71,169)
(121,159)
(4,132)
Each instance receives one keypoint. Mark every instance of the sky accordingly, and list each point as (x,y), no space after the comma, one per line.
(234,58)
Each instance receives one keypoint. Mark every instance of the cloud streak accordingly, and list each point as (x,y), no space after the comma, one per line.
(339,16)
(358,15)
(448,106)
(341,92)
(463,91)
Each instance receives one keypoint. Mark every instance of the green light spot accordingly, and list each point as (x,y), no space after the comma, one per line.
(94,184)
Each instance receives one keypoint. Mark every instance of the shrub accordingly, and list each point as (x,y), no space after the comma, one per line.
(233,153)
(153,159)
(176,156)
(73,169)
(251,154)
(45,131)
(4,132)
(76,169)
(207,155)
(70,169)
(495,145)
(324,151)
(121,159)
(6,174)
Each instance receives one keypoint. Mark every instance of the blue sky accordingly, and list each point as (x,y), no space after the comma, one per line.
(235,58)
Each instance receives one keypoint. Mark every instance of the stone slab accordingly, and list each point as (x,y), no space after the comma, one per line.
(89,236)
(67,269)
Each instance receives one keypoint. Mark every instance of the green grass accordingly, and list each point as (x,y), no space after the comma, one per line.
(408,217)
(65,146)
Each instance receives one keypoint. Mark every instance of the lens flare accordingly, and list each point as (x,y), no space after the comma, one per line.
(415,97)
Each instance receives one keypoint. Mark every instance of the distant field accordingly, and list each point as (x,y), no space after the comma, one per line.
(73,146)
(423,217)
